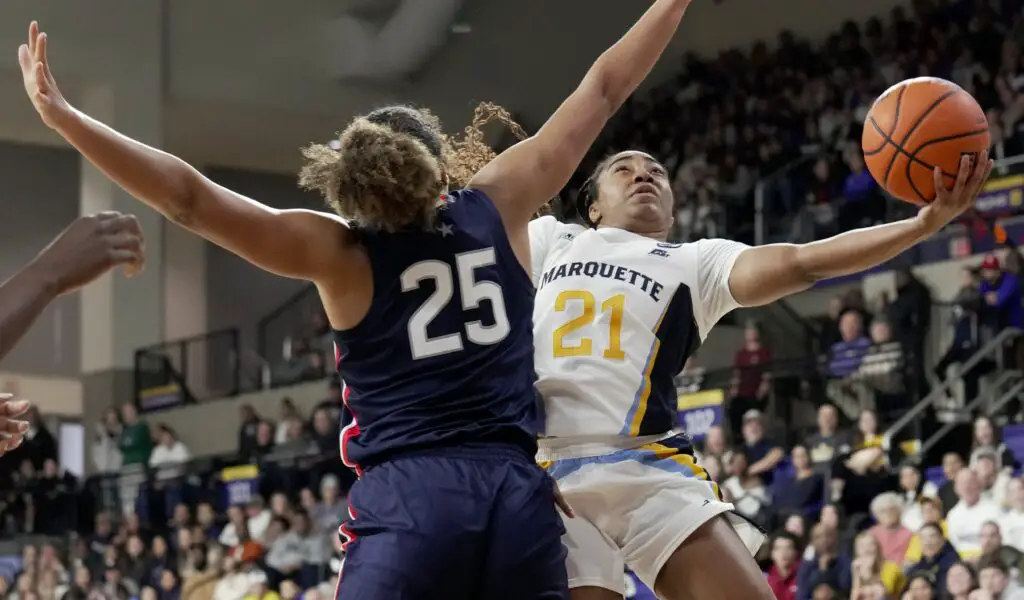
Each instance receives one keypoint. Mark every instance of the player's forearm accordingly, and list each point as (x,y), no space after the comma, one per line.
(858,250)
(621,69)
(22,299)
(162,181)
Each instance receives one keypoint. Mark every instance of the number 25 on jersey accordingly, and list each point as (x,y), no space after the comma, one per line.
(585,346)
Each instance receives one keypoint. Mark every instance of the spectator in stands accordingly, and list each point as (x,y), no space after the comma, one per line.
(233,583)
(937,554)
(284,551)
(106,453)
(910,312)
(994,579)
(288,413)
(805,493)
(785,561)
(986,440)
(969,514)
(249,421)
(257,518)
(201,580)
(827,565)
(751,380)
(332,508)
(873,576)
(746,491)
(892,537)
(326,432)
(1000,292)
(931,513)
(315,549)
(236,528)
(136,442)
(39,444)
(845,359)
(960,581)
(762,454)
(992,545)
(952,464)
(993,482)
(1012,522)
(713,443)
(828,442)
(169,452)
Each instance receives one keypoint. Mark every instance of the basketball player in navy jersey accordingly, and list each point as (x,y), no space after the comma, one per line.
(431,308)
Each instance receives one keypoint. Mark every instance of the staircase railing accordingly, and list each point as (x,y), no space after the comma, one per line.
(994,345)
(1006,377)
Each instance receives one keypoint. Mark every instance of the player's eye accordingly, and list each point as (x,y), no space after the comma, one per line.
(621,169)
(658,171)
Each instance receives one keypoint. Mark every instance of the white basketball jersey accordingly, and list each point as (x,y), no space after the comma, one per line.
(616,316)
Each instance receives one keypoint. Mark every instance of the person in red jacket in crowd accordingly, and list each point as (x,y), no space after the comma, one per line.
(785,562)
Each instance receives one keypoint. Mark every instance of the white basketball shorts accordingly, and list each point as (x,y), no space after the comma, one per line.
(635,507)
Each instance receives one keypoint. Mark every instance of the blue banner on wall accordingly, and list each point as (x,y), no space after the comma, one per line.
(240,483)
(1001,196)
(700,411)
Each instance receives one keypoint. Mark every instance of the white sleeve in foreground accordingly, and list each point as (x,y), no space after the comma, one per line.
(543,232)
(715,259)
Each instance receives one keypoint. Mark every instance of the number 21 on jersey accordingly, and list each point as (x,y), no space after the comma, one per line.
(614,305)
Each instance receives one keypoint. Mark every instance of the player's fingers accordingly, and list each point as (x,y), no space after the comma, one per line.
(12,442)
(13,426)
(962,177)
(939,183)
(33,32)
(24,58)
(13,408)
(42,85)
(41,50)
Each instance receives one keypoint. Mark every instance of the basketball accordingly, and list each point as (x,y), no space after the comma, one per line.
(917,125)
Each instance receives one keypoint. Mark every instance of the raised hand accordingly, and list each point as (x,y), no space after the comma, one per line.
(12,430)
(91,246)
(39,83)
(952,202)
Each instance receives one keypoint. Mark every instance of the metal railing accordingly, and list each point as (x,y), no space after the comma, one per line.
(994,346)
(189,370)
(1006,377)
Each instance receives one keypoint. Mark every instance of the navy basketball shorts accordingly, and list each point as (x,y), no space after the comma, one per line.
(454,524)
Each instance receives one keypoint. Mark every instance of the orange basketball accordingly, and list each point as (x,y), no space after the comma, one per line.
(917,125)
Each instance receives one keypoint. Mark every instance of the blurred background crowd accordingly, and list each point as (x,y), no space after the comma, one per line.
(874,431)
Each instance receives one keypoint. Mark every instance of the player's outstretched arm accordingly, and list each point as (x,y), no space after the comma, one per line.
(764,274)
(526,176)
(286,242)
(86,249)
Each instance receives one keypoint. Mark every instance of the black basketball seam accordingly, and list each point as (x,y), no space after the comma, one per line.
(913,128)
(913,157)
(895,119)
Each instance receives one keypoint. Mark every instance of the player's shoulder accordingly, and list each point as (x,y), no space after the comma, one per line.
(549,228)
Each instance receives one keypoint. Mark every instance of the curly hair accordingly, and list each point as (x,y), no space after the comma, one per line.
(392,166)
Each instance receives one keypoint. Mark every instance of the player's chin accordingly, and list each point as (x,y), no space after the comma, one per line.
(647,217)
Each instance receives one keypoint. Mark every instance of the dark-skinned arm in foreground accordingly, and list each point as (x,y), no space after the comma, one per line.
(765,274)
(85,250)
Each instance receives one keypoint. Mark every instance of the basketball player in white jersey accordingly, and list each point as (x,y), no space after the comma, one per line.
(618,311)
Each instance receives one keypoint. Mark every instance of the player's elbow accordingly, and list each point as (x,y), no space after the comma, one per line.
(800,262)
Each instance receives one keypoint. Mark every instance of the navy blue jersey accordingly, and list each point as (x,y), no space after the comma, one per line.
(445,355)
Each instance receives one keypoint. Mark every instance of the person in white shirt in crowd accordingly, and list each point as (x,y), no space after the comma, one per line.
(912,489)
(316,547)
(288,412)
(995,582)
(258,518)
(231,535)
(970,513)
(992,545)
(994,480)
(169,455)
(234,584)
(745,490)
(106,454)
(332,508)
(1012,521)
(285,553)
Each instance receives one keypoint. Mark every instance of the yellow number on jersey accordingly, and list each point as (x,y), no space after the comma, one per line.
(616,305)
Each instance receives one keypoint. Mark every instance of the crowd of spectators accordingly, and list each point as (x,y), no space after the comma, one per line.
(791,112)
